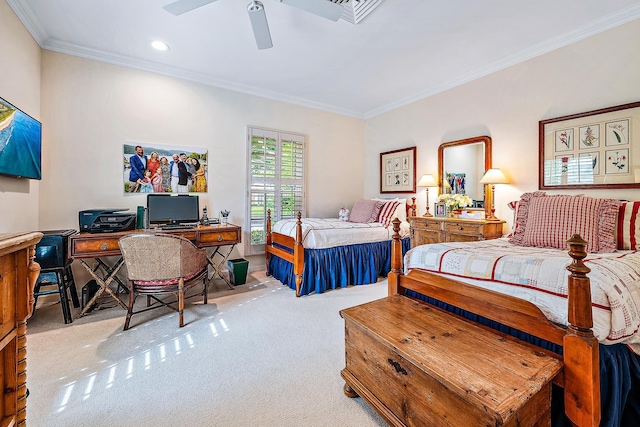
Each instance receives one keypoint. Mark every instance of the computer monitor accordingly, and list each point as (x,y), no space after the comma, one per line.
(168,209)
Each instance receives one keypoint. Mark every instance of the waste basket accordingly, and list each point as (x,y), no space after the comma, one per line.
(88,291)
(238,271)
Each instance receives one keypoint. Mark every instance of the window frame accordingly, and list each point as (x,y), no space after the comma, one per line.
(277,182)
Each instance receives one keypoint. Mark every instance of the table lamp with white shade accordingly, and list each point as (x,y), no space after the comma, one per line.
(427,181)
(492,177)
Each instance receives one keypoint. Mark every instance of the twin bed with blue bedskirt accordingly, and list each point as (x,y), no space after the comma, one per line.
(314,255)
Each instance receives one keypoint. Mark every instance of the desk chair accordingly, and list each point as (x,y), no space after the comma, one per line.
(55,270)
(160,264)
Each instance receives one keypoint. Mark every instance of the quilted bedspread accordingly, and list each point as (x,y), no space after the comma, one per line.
(539,275)
(320,233)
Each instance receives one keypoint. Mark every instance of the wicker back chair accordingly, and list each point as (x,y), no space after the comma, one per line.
(160,264)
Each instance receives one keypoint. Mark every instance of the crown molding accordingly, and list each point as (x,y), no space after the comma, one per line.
(179,73)
(30,20)
(607,22)
(37,31)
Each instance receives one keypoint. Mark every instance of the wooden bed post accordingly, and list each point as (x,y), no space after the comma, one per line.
(581,357)
(396,259)
(298,255)
(412,208)
(267,241)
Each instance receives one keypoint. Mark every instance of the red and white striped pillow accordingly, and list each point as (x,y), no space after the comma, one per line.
(388,212)
(548,221)
(628,229)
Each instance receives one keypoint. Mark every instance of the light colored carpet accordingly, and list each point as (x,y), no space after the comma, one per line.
(254,356)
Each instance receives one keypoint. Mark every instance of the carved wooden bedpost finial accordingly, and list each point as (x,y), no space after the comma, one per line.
(396,259)
(581,356)
(579,287)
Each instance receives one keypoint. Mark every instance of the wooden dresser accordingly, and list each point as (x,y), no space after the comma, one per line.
(18,274)
(436,230)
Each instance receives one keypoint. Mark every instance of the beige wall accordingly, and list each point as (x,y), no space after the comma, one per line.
(20,85)
(91,108)
(598,72)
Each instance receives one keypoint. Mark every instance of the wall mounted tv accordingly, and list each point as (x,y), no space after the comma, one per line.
(168,209)
(20,143)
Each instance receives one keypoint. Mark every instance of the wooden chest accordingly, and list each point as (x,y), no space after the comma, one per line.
(418,366)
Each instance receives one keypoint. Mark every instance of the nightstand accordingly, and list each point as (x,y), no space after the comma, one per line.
(436,230)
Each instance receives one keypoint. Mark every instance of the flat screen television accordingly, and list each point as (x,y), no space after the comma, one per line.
(168,209)
(20,143)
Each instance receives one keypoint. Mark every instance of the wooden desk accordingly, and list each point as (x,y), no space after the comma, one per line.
(18,274)
(97,246)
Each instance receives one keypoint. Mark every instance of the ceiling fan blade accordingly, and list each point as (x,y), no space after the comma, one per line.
(260,26)
(325,8)
(181,6)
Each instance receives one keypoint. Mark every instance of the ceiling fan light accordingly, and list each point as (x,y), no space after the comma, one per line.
(325,8)
(260,26)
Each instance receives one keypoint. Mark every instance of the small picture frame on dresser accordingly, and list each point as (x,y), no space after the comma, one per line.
(440,210)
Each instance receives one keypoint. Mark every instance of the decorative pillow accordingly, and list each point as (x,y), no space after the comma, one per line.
(628,229)
(514,207)
(365,210)
(388,212)
(551,220)
(520,221)
(401,210)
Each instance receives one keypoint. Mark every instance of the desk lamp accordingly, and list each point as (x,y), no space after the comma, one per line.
(427,181)
(492,177)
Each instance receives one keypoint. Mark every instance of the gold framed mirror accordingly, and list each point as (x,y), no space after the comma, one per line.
(466,161)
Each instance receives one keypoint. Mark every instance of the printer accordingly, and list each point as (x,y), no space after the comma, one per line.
(106,220)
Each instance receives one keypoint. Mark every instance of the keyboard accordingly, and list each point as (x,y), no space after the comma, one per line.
(177,227)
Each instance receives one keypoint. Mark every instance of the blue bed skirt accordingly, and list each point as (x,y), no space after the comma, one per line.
(338,267)
(619,374)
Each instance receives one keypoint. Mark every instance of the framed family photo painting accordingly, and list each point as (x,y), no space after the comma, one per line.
(158,168)
(398,171)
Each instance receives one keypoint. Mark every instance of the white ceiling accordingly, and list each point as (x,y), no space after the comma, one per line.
(403,51)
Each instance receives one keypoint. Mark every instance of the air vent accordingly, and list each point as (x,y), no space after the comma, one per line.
(356,10)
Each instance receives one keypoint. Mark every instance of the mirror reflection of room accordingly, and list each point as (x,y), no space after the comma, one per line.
(463,168)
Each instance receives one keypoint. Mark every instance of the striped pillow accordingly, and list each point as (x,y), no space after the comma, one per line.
(520,219)
(551,220)
(628,229)
(365,210)
(388,212)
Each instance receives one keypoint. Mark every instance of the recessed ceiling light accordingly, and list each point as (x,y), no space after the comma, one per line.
(158,45)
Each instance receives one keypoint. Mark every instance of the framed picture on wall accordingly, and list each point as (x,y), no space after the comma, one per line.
(148,168)
(398,171)
(596,149)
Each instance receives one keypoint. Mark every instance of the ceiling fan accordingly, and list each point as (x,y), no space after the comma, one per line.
(324,8)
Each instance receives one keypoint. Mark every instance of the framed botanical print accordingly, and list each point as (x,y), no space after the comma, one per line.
(398,171)
(596,149)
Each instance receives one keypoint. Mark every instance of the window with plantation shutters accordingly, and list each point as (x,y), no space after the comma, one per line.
(276,180)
